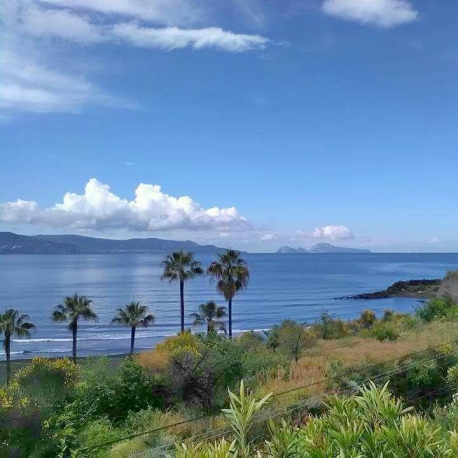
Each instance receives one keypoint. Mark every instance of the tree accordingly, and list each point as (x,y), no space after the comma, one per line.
(211,314)
(74,308)
(231,274)
(134,315)
(11,323)
(181,266)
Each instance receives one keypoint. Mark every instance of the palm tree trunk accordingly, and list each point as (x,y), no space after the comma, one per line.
(132,340)
(230,318)
(182,304)
(75,333)
(8,359)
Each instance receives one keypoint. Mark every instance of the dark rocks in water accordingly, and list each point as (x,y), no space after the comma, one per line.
(422,289)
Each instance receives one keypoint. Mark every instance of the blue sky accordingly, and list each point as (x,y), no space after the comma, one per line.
(284,122)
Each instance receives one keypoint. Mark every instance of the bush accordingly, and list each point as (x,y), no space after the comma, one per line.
(47,381)
(367,319)
(291,338)
(385,330)
(128,390)
(437,308)
(329,328)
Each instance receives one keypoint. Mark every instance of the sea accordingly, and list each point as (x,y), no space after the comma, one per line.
(282,286)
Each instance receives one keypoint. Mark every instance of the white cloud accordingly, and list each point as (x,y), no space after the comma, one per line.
(328,233)
(28,86)
(174,38)
(70,26)
(384,13)
(28,25)
(40,22)
(166,12)
(100,209)
(269,237)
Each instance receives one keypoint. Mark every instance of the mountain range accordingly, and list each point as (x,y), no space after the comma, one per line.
(320,248)
(11,243)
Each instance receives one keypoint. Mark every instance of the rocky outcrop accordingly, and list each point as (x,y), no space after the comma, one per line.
(449,286)
(422,289)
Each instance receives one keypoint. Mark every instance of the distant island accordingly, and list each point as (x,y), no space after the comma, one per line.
(11,243)
(320,248)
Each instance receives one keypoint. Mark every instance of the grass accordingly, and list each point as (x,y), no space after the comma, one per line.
(351,352)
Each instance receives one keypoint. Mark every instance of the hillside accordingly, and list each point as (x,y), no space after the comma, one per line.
(320,248)
(11,243)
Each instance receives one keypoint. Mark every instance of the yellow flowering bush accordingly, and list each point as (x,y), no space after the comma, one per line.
(184,343)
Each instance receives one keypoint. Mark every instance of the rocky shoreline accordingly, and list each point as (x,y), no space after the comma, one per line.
(421,289)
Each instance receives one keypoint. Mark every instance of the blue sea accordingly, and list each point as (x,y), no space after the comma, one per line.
(298,287)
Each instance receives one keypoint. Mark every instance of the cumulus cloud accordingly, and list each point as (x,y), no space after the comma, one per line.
(384,13)
(328,233)
(100,209)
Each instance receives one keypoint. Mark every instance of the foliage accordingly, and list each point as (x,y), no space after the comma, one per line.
(47,381)
(232,275)
(437,308)
(181,266)
(291,338)
(210,314)
(385,330)
(329,328)
(372,424)
(241,412)
(11,324)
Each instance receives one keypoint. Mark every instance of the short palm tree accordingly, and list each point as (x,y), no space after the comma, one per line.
(211,314)
(181,266)
(73,309)
(231,274)
(134,315)
(11,323)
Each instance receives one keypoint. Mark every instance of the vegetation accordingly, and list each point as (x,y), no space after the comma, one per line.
(133,315)
(370,424)
(13,324)
(210,314)
(181,266)
(74,308)
(163,398)
(231,274)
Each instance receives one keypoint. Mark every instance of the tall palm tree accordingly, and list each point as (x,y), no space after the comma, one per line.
(181,266)
(74,308)
(211,314)
(232,275)
(133,315)
(11,323)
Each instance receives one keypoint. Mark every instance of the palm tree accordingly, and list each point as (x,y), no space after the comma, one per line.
(133,315)
(11,323)
(232,275)
(211,314)
(74,308)
(181,266)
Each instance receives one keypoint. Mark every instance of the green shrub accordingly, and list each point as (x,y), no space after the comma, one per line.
(385,330)
(291,338)
(329,328)
(367,319)
(437,308)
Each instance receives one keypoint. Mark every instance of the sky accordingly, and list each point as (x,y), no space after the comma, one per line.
(244,123)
